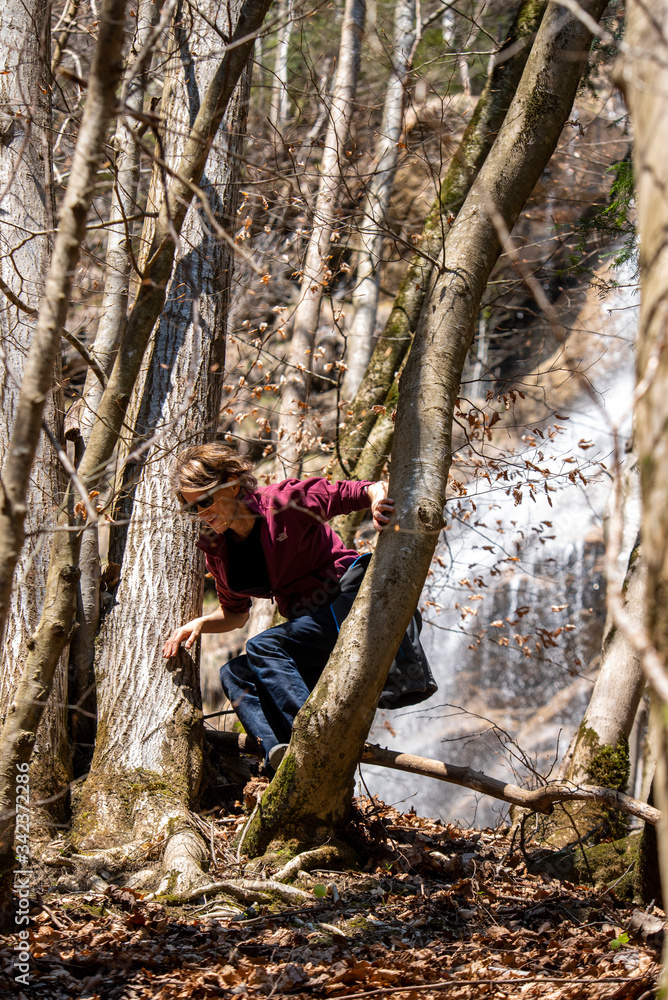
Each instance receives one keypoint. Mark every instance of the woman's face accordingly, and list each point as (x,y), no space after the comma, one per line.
(226,509)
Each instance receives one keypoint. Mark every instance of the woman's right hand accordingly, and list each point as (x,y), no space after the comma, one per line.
(188,633)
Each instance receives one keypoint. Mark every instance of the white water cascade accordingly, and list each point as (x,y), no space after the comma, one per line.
(515,645)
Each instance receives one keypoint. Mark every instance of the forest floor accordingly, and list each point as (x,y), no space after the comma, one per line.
(436,912)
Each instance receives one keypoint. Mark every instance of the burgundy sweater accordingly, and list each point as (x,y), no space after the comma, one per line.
(305,558)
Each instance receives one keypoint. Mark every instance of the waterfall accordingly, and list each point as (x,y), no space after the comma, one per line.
(515,647)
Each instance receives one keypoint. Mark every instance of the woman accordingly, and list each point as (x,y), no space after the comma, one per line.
(272,542)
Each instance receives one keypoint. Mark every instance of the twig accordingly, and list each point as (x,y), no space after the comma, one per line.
(412,988)
(15,300)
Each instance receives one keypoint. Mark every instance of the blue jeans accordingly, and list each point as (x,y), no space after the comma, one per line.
(269,683)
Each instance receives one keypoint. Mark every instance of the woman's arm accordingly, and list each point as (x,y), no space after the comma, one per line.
(220,620)
(382,506)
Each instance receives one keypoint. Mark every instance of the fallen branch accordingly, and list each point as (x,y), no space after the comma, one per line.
(537,800)
(505,981)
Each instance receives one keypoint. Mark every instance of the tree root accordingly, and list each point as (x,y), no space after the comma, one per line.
(244,890)
(185,853)
(327,856)
(113,858)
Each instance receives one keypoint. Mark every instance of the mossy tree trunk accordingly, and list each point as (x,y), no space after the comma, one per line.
(312,790)
(146,768)
(644,79)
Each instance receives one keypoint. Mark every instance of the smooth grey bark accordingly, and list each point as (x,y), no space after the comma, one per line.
(280,99)
(377,200)
(146,770)
(643,76)
(316,271)
(313,787)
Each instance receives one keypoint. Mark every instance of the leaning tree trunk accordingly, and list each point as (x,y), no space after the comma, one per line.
(644,78)
(25,180)
(113,315)
(377,201)
(311,793)
(316,272)
(396,338)
(146,769)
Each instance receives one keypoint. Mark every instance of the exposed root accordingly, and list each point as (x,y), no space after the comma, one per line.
(244,890)
(327,856)
(141,880)
(113,858)
(185,853)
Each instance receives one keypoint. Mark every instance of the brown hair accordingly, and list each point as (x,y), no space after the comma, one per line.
(204,466)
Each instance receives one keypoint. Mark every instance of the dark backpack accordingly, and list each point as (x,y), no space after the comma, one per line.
(410,679)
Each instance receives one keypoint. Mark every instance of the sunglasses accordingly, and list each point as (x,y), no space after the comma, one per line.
(195,509)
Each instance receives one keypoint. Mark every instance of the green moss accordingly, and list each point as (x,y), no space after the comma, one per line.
(605,765)
(123,790)
(611,865)
(610,765)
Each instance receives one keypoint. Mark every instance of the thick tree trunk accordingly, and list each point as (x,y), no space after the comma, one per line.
(58,617)
(644,78)
(394,343)
(30,696)
(316,271)
(377,200)
(45,347)
(313,787)
(146,769)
